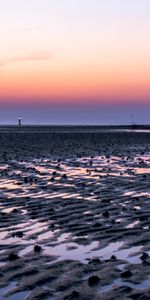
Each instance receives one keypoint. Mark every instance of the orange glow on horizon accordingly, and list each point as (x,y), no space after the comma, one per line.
(82,82)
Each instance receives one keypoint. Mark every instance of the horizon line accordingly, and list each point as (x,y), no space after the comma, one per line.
(74,125)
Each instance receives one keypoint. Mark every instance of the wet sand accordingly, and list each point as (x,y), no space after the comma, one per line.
(74,214)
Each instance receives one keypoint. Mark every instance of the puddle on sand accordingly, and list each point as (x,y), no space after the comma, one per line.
(134,194)
(119,282)
(80,253)
(9,185)
(122,254)
(16,296)
(75,251)
(65,251)
(2,264)
(137,207)
(12,241)
(142,170)
(46,235)
(131,225)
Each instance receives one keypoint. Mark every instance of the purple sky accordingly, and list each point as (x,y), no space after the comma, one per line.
(75,114)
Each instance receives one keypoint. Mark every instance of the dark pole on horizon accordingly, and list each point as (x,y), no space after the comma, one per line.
(19,121)
(132,120)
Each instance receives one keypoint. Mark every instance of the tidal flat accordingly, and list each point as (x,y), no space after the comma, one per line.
(74,213)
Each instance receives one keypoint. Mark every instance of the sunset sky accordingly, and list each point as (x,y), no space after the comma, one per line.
(75,61)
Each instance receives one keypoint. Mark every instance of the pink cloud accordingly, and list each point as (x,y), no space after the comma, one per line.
(32,57)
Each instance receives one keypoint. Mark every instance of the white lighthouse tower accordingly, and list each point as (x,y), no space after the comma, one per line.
(19,121)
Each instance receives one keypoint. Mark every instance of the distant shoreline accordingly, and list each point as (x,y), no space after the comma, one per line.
(43,127)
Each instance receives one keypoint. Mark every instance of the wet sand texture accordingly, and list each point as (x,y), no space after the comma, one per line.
(74,214)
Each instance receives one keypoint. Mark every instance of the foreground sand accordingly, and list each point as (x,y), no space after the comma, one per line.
(74,215)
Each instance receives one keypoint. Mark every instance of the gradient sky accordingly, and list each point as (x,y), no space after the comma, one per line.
(75,61)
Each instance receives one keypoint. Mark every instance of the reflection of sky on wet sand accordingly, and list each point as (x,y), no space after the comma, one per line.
(119,283)
(131,225)
(137,194)
(88,179)
(81,170)
(69,250)
(82,175)
(16,296)
(142,170)
(9,185)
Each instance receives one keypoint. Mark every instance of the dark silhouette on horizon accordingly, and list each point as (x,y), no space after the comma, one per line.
(19,121)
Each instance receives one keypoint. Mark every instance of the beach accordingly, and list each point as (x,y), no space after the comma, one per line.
(74,213)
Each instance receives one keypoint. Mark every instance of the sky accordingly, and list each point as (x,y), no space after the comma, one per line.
(75,61)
